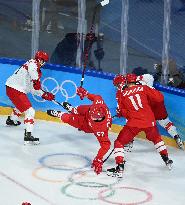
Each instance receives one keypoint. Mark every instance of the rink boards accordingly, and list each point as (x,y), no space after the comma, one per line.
(63,81)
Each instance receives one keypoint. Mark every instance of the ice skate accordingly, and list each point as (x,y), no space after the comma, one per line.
(116,171)
(67,106)
(55,113)
(179,142)
(10,122)
(128,147)
(168,162)
(29,139)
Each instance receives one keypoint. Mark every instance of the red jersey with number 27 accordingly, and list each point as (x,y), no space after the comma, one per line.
(134,105)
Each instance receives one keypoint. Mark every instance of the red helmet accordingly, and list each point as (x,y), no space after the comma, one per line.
(119,79)
(97,111)
(41,55)
(131,78)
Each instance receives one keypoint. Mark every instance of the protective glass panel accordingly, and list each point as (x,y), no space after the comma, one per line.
(16,28)
(145,36)
(177,42)
(58,27)
(110,27)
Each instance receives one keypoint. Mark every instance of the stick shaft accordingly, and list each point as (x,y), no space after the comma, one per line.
(86,52)
(108,156)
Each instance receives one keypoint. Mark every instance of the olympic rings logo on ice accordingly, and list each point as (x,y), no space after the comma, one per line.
(57,88)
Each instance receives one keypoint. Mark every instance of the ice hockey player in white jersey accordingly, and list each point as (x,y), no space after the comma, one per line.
(26,80)
(160,112)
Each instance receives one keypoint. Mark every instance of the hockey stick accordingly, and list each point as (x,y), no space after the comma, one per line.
(108,156)
(113,149)
(59,104)
(86,52)
(56,101)
(114,116)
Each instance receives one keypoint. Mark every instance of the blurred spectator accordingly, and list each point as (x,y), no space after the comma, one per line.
(16,16)
(140,71)
(175,77)
(66,50)
(158,72)
(99,52)
(28,25)
(183,6)
(49,17)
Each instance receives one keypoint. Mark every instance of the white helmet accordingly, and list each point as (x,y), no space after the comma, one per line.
(146,79)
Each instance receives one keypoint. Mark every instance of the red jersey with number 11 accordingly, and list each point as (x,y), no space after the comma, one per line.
(134,105)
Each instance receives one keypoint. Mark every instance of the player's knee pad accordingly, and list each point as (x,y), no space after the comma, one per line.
(118,152)
(124,139)
(150,138)
(117,144)
(164,122)
(29,119)
(156,139)
(30,113)
(169,126)
(65,117)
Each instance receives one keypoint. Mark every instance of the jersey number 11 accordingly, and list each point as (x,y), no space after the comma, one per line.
(137,104)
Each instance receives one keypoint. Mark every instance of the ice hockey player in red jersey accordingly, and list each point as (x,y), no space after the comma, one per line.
(120,83)
(160,112)
(134,105)
(26,80)
(158,108)
(94,118)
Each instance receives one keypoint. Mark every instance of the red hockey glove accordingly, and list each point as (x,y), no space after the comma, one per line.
(36,84)
(82,92)
(48,96)
(26,203)
(97,165)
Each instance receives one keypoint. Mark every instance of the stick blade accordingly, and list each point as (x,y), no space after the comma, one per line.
(105,2)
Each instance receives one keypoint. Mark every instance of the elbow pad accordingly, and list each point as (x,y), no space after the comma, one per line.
(36,84)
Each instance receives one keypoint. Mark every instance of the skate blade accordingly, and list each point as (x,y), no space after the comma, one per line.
(30,143)
(117,175)
(127,149)
(51,113)
(181,146)
(54,113)
(170,166)
(12,125)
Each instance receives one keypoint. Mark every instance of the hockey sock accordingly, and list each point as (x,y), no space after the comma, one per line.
(29,119)
(161,148)
(15,114)
(168,126)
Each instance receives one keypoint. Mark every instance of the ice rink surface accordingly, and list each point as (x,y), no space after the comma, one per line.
(57,172)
